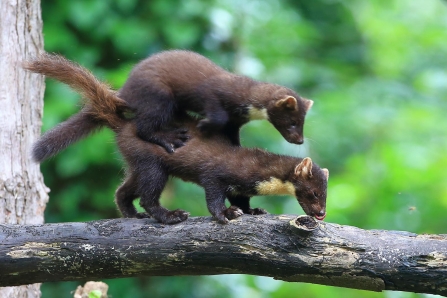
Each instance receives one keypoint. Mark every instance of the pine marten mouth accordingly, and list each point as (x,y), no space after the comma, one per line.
(320,217)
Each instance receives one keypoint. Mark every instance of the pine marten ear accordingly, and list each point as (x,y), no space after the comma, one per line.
(304,168)
(326,173)
(287,103)
(308,103)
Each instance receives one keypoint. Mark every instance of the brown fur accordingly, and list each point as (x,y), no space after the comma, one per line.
(102,100)
(168,83)
(100,103)
(224,170)
(171,81)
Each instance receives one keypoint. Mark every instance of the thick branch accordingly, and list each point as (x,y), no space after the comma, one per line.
(268,245)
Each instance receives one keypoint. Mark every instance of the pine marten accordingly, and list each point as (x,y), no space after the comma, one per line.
(171,81)
(213,162)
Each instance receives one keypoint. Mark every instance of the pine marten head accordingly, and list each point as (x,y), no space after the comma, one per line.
(287,115)
(310,184)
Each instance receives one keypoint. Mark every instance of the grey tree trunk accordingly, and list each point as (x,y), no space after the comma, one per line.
(267,245)
(22,192)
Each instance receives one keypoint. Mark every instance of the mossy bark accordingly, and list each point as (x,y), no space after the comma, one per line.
(267,245)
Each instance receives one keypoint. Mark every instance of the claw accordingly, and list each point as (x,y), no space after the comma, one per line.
(170,139)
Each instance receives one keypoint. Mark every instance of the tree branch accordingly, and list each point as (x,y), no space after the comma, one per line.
(267,245)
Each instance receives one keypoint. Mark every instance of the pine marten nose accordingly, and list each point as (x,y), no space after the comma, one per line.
(299,139)
(320,215)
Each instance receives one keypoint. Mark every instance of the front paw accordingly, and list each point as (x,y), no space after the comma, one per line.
(228,214)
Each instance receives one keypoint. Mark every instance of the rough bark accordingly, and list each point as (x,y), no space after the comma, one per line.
(22,192)
(267,245)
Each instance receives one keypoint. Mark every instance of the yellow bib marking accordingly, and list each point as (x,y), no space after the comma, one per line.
(275,186)
(257,114)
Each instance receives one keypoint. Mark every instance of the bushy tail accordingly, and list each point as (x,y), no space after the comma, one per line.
(63,135)
(102,107)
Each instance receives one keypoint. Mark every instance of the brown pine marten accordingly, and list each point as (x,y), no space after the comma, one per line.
(172,81)
(213,162)
(222,169)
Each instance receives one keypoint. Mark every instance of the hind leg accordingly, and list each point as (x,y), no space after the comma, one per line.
(151,183)
(124,197)
(243,202)
(154,107)
(154,120)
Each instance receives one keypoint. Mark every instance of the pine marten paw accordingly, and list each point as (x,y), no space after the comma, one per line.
(170,139)
(142,215)
(256,211)
(233,212)
(228,214)
(173,217)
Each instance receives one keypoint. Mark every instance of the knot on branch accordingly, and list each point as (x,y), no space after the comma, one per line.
(304,224)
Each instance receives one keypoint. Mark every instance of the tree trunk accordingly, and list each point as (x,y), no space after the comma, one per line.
(267,245)
(22,193)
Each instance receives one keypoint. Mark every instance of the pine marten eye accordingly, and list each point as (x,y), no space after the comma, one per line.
(315,194)
(293,123)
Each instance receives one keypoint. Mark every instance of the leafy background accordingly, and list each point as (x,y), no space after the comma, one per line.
(375,69)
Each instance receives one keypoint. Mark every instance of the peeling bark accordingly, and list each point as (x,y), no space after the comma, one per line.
(267,245)
(22,192)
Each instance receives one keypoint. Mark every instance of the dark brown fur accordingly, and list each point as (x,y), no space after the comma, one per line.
(169,82)
(224,170)
(94,114)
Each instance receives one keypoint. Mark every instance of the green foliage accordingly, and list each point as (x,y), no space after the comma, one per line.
(375,69)
(95,294)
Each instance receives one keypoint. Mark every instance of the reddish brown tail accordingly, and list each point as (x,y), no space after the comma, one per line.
(101,104)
